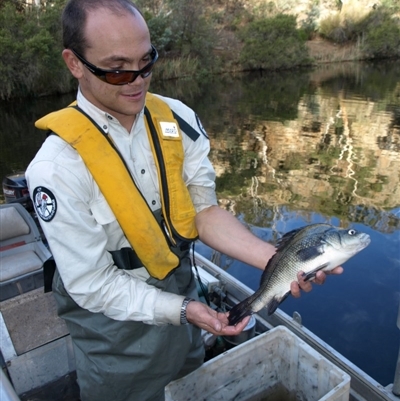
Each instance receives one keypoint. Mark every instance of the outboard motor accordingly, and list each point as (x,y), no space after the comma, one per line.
(15,190)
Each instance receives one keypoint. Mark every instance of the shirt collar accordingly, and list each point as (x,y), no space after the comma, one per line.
(101,118)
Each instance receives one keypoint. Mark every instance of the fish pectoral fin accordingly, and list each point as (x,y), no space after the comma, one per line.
(272,305)
(310,252)
(311,274)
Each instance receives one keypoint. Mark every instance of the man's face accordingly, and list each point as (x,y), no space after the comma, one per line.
(116,42)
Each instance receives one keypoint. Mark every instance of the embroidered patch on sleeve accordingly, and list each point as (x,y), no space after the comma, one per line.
(45,203)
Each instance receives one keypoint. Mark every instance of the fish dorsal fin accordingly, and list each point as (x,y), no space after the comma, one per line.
(286,238)
(280,245)
(312,229)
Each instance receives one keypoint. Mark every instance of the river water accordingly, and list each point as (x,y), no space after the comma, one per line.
(291,149)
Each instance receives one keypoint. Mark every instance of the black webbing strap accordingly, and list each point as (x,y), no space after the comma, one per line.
(186,128)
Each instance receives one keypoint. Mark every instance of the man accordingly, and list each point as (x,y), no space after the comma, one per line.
(117,175)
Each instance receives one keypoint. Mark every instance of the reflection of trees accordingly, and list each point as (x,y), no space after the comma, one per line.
(372,80)
(19,138)
(316,183)
(377,219)
(392,140)
(257,212)
(335,154)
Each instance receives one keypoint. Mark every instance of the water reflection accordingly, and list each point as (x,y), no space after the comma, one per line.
(292,149)
(19,139)
(326,140)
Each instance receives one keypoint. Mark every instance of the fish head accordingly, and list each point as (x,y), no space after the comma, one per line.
(346,242)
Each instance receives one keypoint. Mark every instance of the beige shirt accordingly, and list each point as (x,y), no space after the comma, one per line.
(83,228)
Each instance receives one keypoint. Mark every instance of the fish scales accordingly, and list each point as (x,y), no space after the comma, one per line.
(308,249)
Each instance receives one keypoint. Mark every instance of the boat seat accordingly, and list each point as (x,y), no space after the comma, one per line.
(22,252)
(25,262)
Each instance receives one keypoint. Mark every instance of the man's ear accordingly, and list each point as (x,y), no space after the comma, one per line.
(73,64)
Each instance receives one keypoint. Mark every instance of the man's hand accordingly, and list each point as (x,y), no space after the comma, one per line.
(212,321)
(320,277)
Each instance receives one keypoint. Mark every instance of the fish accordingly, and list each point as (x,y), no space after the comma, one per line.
(310,248)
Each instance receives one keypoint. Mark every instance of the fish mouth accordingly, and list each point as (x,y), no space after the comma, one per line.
(365,240)
(356,245)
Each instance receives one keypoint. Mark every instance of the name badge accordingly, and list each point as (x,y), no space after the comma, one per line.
(169,130)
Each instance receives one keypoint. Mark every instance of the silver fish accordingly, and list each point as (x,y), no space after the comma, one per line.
(310,249)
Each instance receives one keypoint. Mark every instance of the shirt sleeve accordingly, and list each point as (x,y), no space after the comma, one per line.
(81,231)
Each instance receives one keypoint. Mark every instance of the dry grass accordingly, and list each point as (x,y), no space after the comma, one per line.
(176,68)
(323,51)
(353,11)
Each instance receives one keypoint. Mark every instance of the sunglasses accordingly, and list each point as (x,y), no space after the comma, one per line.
(120,77)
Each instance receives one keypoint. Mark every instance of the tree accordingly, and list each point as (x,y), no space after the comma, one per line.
(273,43)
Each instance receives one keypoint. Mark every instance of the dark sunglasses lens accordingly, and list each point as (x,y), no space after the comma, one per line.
(127,77)
(120,78)
(123,78)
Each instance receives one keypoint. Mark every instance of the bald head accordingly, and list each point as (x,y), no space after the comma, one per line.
(75,15)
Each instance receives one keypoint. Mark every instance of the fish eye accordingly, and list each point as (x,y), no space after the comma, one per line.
(352,232)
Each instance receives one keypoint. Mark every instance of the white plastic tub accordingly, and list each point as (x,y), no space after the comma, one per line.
(276,365)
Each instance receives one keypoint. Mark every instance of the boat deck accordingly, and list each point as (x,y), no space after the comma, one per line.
(64,389)
(36,347)
(32,321)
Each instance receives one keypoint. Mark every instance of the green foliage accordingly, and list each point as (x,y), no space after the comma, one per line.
(392,6)
(383,41)
(181,28)
(273,43)
(162,36)
(229,14)
(381,35)
(30,51)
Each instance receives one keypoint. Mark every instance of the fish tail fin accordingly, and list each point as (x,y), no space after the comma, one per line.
(238,312)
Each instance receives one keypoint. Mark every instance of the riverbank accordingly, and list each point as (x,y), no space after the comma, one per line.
(199,39)
(323,51)
(229,47)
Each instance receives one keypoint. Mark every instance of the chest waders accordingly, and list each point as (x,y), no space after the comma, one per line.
(127,360)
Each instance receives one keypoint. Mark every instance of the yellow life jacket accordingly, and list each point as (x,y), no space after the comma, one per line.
(148,239)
